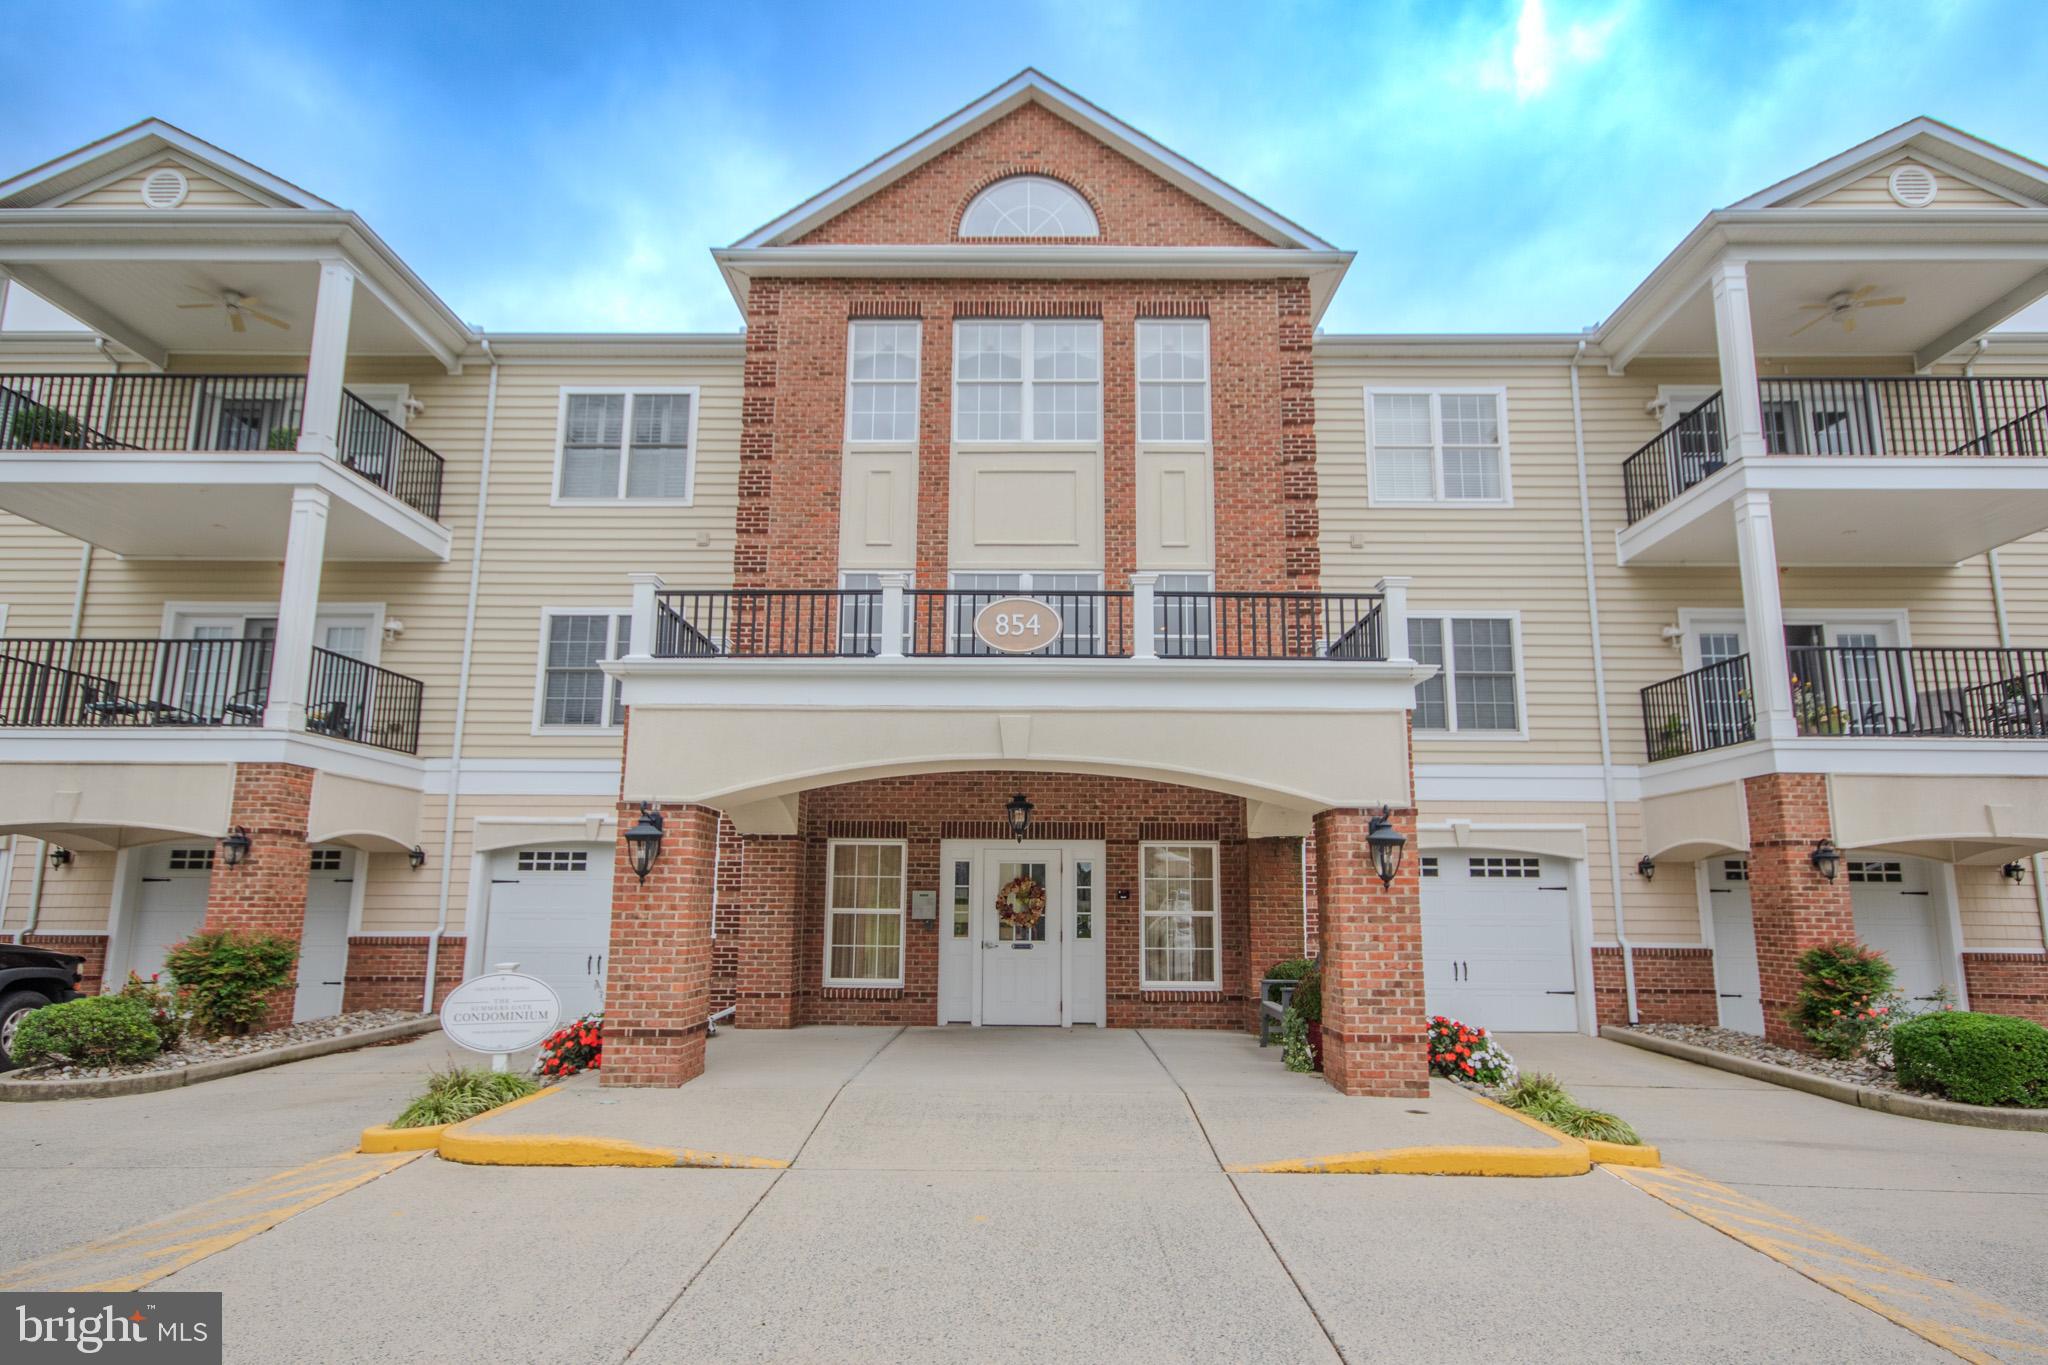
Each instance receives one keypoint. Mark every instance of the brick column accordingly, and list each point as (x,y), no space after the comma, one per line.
(1274,869)
(1793,907)
(769,901)
(1375,1024)
(267,892)
(658,982)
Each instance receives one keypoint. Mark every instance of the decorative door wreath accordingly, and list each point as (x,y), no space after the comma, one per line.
(1021,902)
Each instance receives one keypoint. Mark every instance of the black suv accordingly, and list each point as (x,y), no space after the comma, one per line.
(31,978)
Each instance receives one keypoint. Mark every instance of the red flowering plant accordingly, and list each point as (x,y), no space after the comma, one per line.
(1464,1053)
(574,1047)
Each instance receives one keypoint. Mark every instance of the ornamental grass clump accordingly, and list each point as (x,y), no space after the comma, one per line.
(1846,1005)
(1464,1053)
(462,1093)
(1543,1098)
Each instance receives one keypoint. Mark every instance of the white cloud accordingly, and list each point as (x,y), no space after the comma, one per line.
(1529,58)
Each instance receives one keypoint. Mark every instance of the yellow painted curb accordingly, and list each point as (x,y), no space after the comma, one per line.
(1568,1157)
(461,1142)
(384,1138)
(1603,1153)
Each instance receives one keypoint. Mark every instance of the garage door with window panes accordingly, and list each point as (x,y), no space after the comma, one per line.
(1497,941)
(1893,901)
(551,912)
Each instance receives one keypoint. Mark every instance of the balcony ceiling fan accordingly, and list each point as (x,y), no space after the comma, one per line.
(1843,305)
(238,306)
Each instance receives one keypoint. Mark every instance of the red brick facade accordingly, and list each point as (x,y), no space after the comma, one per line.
(2008,983)
(1673,986)
(91,947)
(1793,906)
(767,914)
(658,983)
(388,972)
(267,892)
(1373,1012)
(1276,920)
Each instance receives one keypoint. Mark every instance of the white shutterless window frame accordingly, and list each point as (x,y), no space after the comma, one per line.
(181,618)
(834,911)
(1449,676)
(618,622)
(1436,393)
(630,392)
(874,383)
(1177,373)
(1026,382)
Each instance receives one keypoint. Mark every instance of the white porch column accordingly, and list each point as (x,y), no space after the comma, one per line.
(893,625)
(1144,615)
(1394,617)
(320,424)
(646,586)
(1742,413)
(298,603)
(1763,617)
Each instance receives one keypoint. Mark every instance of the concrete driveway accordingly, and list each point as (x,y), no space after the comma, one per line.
(1006,1195)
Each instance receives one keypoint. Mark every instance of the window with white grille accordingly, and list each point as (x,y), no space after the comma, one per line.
(1504,867)
(573,688)
(1027,381)
(191,859)
(326,860)
(1861,871)
(1029,206)
(881,381)
(1428,446)
(1477,686)
(553,860)
(1173,381)
(632,445)
(1735,870)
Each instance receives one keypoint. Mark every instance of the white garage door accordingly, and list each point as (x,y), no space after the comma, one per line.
(551,912)
(1735,971)
(1894,906)
(323,941)
(169,906)
(1497,941)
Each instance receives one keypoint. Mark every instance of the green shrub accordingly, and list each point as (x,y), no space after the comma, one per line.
(228,977)
(38,425)
(1290,969)
(463,1093)
(1544,1099)
(1845,998)
(1295,1053)
(96,1031)
(283,438)
(1308,995)
(1974,1058)
(162,1005)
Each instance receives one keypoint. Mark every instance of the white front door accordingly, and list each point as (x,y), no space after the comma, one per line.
(1497,941)
(1021,938)
(323,942)
(1735,971)
(1894,905)
(170,905)
(551,912)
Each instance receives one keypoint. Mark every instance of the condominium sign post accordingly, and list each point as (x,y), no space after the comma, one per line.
(500,1013)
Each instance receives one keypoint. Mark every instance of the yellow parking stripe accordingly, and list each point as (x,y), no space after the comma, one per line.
(1962,1322)
(144,1254)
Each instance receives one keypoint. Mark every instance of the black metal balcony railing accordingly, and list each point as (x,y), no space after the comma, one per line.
(785,623)
(133,682)
(1911,417)
(349,699)
(1956,692)
(181,412)
(1708,708)
(92,683)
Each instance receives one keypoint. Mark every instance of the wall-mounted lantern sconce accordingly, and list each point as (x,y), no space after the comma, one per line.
(234,846)
(1646,868)
(1826,858)
(60,856)
(417,856)
(2014,871)
(1386,844)
(643,841)
(1019,812)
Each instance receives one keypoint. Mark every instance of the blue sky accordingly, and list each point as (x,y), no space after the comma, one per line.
(1507,165)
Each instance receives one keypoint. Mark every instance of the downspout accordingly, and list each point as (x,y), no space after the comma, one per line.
(1628,955)
(2005,642)
(476,569)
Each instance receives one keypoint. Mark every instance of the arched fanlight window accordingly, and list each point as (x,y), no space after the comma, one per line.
(1029,206)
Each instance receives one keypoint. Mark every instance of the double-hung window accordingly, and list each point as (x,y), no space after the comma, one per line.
(574,691)
(881,381)
(1075,596)
(1184,616)
(864,913)
(1446,446)
(1179,913)
(1173,381)
(1477,686)
(626,445)
(1027,381)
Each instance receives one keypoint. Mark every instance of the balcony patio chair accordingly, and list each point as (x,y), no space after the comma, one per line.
(330,718)
(105,705)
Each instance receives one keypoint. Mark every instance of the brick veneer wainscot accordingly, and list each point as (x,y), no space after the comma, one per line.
(387,971)
(1673,986)
(1794,908)
(1276,919)
(91,947)
(266,893)
(2008,983)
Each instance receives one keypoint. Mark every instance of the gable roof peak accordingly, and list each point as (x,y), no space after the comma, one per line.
(1926,136)
(138,142)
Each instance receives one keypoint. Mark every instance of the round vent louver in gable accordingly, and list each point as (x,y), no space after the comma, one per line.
(1913,186)
(164,188)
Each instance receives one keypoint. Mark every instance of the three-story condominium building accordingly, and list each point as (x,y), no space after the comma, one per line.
(1032,617)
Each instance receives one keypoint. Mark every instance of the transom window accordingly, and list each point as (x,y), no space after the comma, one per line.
(1173,381)
(1179,917)
(1429,446)
(553,860)
(881,381)
(631,445)
(325,860)
(864,913)
(573,688)
(1027,381)
(192,859)
(1511,868)
(1876,872)
(1477,684)
(1029,206)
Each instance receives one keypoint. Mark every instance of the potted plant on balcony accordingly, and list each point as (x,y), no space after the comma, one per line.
(282,438)
(1815,714)
(41,427)
(1670,742)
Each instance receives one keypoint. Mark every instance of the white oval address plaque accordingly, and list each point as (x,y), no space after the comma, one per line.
(500,1012)
(1017,625)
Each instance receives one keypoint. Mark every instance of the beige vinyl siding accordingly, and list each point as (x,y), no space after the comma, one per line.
(399,900)
(1997,915)
(202,192)
(1874,191)
(75,898)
